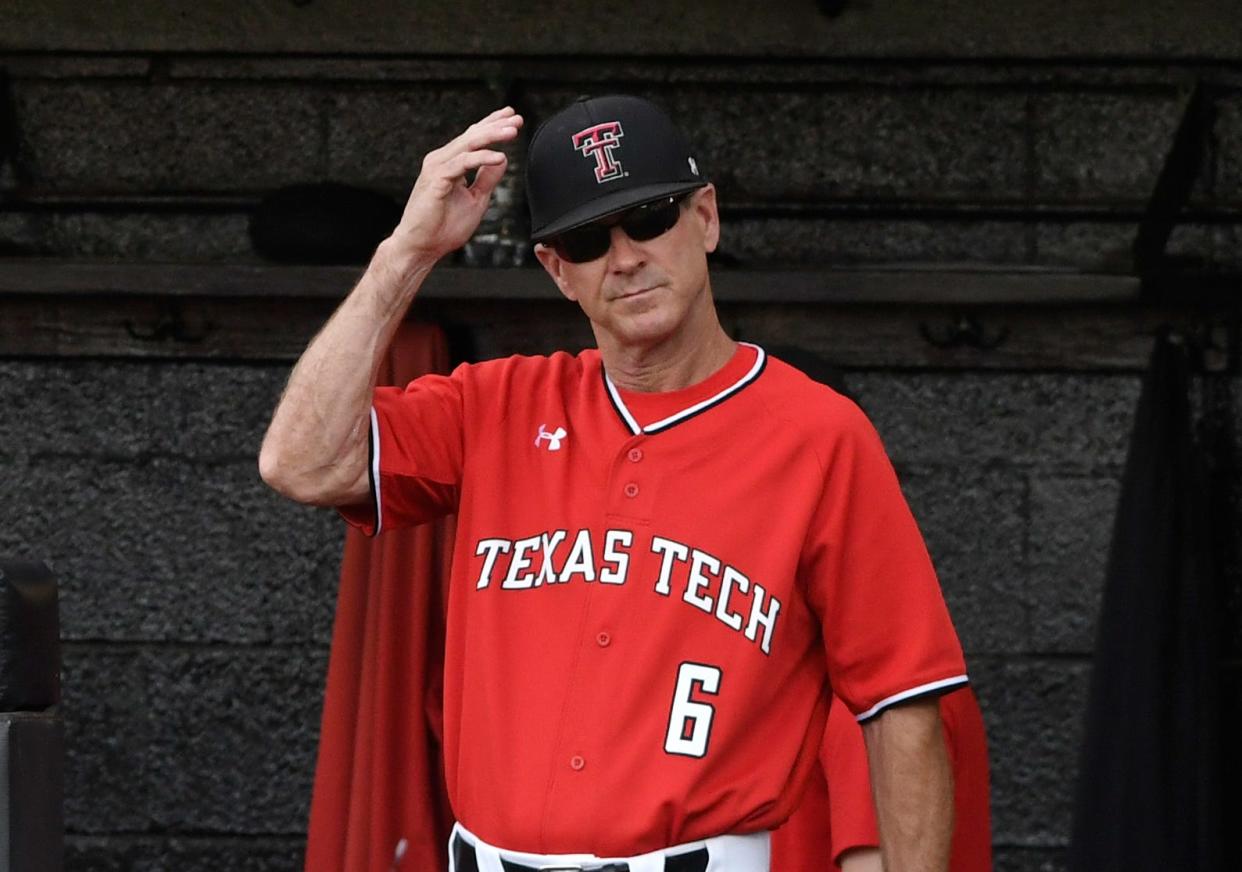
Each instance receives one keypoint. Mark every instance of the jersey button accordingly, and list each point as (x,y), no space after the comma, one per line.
(636,454)
(576,763)
(631,490)
(603,640)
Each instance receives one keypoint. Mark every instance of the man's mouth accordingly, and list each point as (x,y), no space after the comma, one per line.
(636,292)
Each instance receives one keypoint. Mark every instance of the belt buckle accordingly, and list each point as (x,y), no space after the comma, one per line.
(589,867)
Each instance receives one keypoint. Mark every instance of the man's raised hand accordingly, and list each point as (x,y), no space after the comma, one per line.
(443,211)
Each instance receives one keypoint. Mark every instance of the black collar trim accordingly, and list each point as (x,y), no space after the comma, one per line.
(761,359)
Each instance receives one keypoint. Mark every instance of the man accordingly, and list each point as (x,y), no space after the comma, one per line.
(834,829)
(665,548)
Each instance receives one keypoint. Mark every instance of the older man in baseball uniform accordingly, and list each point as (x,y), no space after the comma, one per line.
(671,550)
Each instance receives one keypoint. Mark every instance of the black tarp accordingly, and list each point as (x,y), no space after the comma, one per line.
(1148,795)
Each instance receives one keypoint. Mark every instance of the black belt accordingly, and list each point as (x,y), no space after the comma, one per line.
(464,860)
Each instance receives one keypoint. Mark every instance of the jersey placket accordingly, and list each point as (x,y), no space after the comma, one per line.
(626,505)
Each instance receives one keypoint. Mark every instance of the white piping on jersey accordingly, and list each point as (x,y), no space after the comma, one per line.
(374,470)
(750,376)
(921,690)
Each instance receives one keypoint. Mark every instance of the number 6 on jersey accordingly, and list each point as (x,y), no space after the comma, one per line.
(690,721)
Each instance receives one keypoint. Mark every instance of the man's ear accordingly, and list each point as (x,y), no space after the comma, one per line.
(556,268)
(704,207)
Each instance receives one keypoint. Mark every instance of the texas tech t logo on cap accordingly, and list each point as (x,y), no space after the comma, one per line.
(599,141)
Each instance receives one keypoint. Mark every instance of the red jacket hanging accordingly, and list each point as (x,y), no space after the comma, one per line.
(379,802)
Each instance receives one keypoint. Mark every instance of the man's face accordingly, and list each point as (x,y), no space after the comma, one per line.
(643,293)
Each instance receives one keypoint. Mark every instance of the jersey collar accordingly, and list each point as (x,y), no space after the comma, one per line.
(717,394)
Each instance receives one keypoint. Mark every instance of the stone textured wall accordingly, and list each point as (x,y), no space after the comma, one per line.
(197,606)
(155,158)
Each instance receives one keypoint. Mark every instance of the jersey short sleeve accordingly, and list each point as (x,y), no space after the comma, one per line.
(887,632)
(415,457)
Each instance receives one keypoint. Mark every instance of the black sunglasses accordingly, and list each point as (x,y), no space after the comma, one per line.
(591,241)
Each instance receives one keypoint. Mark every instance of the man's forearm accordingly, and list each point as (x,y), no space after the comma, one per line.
(913,786)
(315,450)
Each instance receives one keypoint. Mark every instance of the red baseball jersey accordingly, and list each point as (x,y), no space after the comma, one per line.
(651,592)
(837,813)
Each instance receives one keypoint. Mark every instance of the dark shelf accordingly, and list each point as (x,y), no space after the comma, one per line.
(906,284)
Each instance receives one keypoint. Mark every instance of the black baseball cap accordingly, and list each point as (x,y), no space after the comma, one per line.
(602,155)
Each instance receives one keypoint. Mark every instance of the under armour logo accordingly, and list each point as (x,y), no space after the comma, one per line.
(599,141)
(554,438)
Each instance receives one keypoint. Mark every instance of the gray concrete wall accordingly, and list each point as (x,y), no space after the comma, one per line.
(197,606)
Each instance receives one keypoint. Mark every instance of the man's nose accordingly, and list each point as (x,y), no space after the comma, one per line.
(624,254)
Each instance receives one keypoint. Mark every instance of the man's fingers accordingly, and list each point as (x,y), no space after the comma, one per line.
(473,160)
(501,126)
(502,111)
(497,132)
(498,116)
(487,178)
(501,130)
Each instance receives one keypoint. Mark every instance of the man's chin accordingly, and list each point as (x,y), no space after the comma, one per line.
(648,328)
